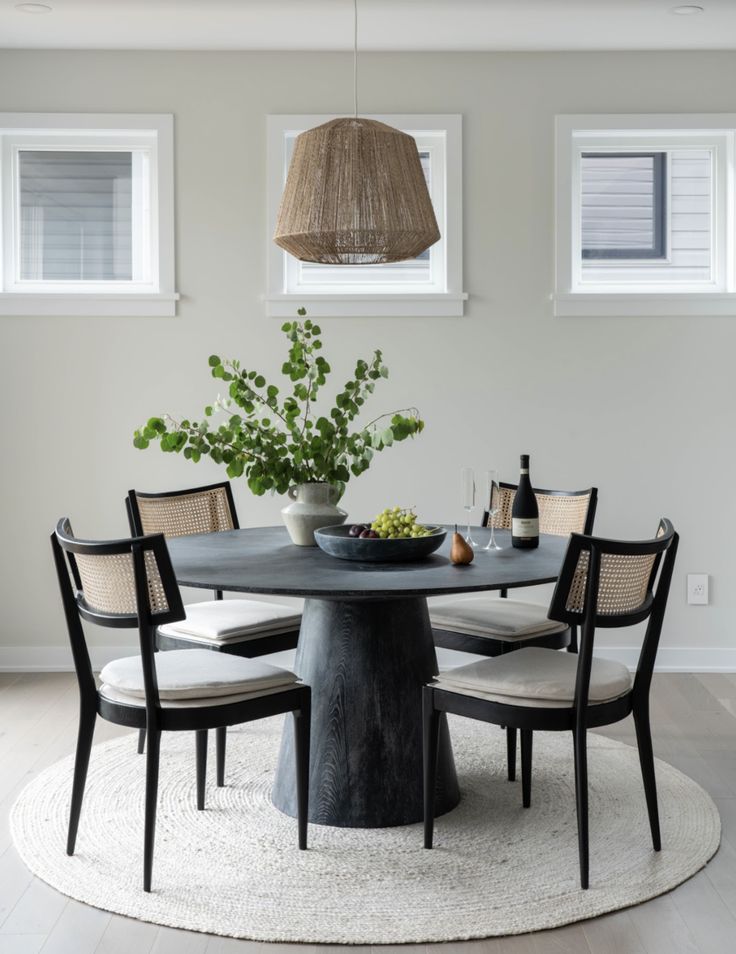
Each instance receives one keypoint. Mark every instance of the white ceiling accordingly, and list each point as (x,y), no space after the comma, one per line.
(384,25)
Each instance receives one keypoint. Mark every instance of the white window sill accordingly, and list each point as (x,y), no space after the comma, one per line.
(445,305)
(83,305)
(652,304)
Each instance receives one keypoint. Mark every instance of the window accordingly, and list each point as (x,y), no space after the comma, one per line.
(87,215)
(645,216)
(429,285)
(622,205)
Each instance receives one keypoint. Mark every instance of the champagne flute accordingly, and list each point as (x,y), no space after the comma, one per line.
(467,478)
(493,504)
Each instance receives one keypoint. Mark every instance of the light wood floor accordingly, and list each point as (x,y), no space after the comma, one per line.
(694,724)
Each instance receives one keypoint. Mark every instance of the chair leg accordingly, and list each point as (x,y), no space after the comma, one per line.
(81,763)
(201,737)
(221,743)
(526,767)
(141,741)
(511,752)
(302,719)
(581,802)
(646,760)
(431,737)
(573,646)
(152,760)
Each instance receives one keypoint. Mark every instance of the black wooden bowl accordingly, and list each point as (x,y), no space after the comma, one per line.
(338,543)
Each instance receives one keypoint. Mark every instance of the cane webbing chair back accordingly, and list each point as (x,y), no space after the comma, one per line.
(198,510)
(127,582)
(623,586)
(108,583)
(626,573)
(560,512)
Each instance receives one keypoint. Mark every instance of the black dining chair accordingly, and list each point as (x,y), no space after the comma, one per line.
(603,583)
(483,625)
(241,627)
(130,583)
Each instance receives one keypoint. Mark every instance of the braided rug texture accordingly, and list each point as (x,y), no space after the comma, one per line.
(235,870)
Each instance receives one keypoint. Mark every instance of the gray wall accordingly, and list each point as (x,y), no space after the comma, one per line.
(641,407)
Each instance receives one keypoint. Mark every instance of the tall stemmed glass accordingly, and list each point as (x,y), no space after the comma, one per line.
(467,478)
(493,505)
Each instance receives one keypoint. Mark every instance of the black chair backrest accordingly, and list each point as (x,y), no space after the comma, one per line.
(120,583)
(616,583)
(561,512)
(174,513)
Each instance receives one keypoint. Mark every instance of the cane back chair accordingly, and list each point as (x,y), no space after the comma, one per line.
(482,624)
(241,627)
(603,583)
(130,583)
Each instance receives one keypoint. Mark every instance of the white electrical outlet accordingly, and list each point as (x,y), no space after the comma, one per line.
(697,589)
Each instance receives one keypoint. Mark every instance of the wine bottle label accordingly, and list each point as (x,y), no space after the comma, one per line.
(523,471)
(525,527)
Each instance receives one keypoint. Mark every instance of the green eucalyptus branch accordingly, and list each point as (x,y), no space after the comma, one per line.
(279,442)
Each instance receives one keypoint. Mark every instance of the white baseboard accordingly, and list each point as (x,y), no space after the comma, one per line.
(677,658)
(669,658)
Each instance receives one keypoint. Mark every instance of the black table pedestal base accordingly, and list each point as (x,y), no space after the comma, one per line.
(366,661)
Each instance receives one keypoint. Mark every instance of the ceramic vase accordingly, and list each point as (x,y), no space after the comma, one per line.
(313,506)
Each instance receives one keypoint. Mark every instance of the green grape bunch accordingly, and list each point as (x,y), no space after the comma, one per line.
(395,523)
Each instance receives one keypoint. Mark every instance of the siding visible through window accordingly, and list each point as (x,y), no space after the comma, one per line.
(76,215)
(687,244)
(623,205)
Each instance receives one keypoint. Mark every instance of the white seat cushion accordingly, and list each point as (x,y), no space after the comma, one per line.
(115,695)
(196,674)
(536,677)
(487,615)
(224,621)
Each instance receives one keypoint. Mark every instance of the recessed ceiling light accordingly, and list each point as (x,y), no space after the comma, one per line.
(33,7)
(688,9)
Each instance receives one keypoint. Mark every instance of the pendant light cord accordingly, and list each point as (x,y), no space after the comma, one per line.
(355,57)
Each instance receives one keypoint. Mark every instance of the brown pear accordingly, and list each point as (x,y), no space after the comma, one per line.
(461,553)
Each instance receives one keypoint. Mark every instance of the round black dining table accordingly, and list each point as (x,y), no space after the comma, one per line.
(365,648)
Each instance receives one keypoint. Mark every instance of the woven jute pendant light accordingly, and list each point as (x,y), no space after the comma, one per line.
(355,193)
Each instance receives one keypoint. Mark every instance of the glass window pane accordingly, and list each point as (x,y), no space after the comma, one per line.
(623,205)
(75,215)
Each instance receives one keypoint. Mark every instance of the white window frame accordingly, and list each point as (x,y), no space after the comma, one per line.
(150,136)
(440,295)
(573,296)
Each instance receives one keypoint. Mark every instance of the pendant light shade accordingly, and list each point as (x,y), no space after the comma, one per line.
(355,195)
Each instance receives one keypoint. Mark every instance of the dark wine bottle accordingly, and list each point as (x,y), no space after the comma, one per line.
(525,512)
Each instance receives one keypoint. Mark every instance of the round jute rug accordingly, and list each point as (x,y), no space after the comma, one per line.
(234,869)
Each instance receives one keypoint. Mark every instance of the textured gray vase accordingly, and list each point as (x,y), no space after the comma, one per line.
(313,506)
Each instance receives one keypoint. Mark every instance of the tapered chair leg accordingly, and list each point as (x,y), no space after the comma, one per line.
(302,719)
(581,802)
(81,763)
(431,738)
(201,736)
(573,645)
(221,743)
(511,752)
(526,767)
(141,741)
(646,760)
(149,830)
